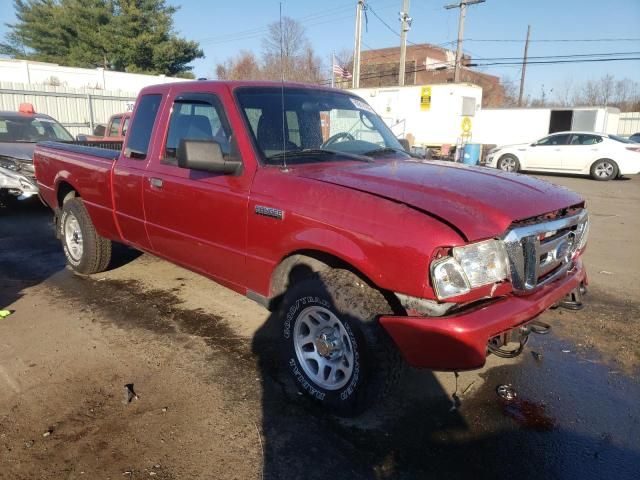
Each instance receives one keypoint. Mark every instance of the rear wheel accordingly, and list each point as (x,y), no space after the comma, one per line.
(604,169)
(509,163)
(86,251)
(335,350)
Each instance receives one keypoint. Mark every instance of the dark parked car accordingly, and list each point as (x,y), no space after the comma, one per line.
(19,133)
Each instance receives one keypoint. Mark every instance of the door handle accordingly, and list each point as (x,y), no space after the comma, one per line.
(155,182)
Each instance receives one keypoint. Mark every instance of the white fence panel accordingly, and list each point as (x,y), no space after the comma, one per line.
(78,109)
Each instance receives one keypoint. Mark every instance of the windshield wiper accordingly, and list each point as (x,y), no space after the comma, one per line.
(315,152)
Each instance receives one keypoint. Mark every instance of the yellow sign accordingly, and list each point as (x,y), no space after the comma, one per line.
(466,125)
(425,98)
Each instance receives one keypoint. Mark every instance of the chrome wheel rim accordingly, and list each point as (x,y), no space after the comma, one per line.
(323,348)
(73,237)
(604,170)
(508,164)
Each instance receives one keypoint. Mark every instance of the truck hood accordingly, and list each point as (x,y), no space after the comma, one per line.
(479,202)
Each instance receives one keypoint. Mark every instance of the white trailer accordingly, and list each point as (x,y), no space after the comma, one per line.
(505,126)
(428,116)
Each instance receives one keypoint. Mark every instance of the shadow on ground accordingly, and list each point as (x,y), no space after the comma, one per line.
(30,252)
(570,420)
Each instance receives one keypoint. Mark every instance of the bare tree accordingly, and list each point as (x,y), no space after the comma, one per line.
(510,96)
(564,92)
(294,39)
(284,50)
(243,67)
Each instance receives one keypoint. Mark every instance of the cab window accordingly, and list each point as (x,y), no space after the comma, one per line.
(142,126)
(196,117)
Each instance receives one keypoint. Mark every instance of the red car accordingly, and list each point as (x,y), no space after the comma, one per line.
(302,199)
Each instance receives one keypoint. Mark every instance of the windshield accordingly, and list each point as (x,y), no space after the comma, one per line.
(317,126)
(27,129)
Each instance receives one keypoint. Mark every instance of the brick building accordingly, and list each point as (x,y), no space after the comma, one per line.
(424,65)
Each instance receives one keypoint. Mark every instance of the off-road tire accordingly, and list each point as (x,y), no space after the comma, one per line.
(377,361)
(502,161)
(602,166)
(96,250)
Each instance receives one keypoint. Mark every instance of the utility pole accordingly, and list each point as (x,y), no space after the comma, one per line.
(524,66)
(405,25)
(463,13)
(356,48)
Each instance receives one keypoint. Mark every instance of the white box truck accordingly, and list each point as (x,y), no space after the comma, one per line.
(505,126)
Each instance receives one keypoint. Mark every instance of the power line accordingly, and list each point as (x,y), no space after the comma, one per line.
(572,55)
(549,62)
(389,27)
(501,64)
(312,20)
(555,40)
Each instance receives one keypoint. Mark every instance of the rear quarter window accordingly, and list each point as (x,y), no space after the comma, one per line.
(142,126)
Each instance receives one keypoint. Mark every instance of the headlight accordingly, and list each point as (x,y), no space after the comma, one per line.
(583,233)
(448,278)
(470,266)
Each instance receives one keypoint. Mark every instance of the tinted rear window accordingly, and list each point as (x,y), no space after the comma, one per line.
(142,126)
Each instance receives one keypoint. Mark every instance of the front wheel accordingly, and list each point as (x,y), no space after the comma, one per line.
(509,163)
(335,350)
(604,169)
(86,251)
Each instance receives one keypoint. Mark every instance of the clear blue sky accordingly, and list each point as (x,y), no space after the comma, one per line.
(223,28)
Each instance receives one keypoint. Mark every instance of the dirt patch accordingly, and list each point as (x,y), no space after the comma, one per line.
(607,324)
(68,364)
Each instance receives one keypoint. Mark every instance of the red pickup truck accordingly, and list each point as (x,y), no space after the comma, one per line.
(300,198)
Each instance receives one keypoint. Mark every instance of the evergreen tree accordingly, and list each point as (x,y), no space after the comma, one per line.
(123,35)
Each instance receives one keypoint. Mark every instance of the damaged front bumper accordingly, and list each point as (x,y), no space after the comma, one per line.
(460,341)
(17,184)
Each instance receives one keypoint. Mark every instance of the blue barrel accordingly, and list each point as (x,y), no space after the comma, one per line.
(471,154)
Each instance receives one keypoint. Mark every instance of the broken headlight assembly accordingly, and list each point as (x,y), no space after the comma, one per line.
(468,267)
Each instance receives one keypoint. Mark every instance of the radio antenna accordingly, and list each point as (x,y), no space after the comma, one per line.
(284,141)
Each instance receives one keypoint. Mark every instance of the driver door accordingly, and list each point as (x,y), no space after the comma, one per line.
(198,218)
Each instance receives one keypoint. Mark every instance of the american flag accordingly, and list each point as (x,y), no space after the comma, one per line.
(341,72)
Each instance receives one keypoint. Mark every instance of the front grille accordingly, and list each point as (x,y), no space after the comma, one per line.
(542,252)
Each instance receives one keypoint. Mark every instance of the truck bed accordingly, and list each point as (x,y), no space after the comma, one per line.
(84,167)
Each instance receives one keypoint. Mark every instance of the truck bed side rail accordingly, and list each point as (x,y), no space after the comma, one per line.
(102,149)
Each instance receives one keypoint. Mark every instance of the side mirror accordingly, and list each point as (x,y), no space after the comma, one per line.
(533,144)
(205,155)
(405,144)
